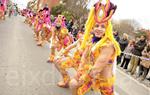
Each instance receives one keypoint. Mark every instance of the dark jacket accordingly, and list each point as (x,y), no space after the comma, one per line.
(139,47)
(117,37)
(123,44)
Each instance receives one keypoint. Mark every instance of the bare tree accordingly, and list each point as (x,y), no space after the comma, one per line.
(77,8)
(126,26)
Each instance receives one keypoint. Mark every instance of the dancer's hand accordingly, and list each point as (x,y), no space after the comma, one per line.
(94,72)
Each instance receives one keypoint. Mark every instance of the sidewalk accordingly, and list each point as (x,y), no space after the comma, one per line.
(127,85)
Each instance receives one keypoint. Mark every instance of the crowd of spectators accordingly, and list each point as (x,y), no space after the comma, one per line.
(135,56)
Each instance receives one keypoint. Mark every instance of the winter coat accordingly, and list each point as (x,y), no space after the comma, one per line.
(139,47)
(123,44)
(117,37)
(128,49)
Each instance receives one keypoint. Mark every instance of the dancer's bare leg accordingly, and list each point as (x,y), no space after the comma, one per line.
(52,55)
(65,82)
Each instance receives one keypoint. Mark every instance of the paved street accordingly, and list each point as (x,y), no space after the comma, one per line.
(24,71)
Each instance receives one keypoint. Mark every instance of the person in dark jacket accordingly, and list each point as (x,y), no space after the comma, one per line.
(69,25)
(138,48)
(145,63)
(123,44)
(116,36)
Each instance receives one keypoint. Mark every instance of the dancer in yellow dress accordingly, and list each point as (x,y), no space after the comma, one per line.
(97,72)
(46,27)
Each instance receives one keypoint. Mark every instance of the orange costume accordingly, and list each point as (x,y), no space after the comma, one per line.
(60,37)
(66,60)
(100,83)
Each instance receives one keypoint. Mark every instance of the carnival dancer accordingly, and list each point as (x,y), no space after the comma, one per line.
(64,63)
(97,73)
(38,25)
(27,15)
(35,26)
(30,18)
(33,19)
(46,28)
(60,37)
(66,60)
(2,12)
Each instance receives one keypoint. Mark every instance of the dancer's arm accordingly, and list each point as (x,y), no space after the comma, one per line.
(70,47)
(103,60)
(84,56)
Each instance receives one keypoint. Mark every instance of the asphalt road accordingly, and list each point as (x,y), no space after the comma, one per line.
(23,67)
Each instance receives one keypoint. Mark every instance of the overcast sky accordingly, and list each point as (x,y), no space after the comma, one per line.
(127,9)
(134,9)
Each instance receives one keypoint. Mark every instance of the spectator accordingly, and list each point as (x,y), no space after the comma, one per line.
(74,32)
(127,58)
(123,44)
(138,48)
(137,39)
(69,25)
(116,36)
(80,32)
(145,63)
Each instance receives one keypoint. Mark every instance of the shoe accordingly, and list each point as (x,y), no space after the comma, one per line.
(39,44)
(51,59)
(63,84)
(132,74)
(148,78)
(142,79)
(48,61)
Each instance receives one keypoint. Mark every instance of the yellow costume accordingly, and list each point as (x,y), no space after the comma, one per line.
(101,84)
(70,61)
